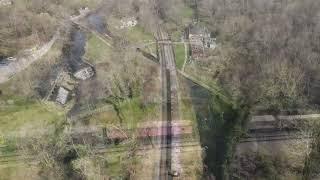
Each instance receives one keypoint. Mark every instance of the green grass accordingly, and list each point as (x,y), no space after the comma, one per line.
(138,34)
(103,118)
(96,50)
(18,171)
(183,16)
(179,55)
(109,164)
(18,107)
(187,13)
(114,165)
(189,114)
(133,112)
(119,163)
(8,146)
(176,35)
(311,164)
(23,112)
(203,77)
(187,110)
(151,49)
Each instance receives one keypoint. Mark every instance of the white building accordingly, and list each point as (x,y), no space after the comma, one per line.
(84,74)
(128,22)
(210,43)
(84,11)
(5,2)
(62,96)
(200,39)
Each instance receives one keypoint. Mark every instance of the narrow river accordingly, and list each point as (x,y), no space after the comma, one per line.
(75,49)
(73,53)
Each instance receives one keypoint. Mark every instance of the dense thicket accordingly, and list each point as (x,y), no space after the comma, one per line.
(26,23)
(269,49)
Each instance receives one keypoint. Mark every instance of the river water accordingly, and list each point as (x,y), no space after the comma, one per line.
(73,53)
(75,49)
(97,22)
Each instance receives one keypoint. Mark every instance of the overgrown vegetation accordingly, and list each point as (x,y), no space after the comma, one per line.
(268,51)
(22,113)
(267,58)
(312,161)
(219,133)
(28,23)
(265,166)
(179,55)
(138,34)
(96,50)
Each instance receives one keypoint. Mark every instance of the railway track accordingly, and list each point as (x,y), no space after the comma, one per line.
(16,157)
(170,160)
(164,165)
(274,137)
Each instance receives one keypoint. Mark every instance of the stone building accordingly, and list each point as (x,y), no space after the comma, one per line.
(84,73)
(200,39)
(62,95)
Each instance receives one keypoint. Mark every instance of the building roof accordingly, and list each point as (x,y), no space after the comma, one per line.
(5,2)
(128,22)
(62,95)
(84,73)
(197,30)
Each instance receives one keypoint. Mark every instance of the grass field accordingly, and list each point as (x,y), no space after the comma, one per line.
(105,165)
(96,50)
(179,55)
(187,13)
(176,35)
(131,112)
(138,34)
(19,171)
(20,118)
(19,107)
(134,113)
(191,162)
(202,76)
(21,113)
(103,118)
(187,110)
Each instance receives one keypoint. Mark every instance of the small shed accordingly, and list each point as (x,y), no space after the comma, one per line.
(128,22)
(210,43)
(84,11)
(197,31)
(62,95)
(200,39)
(84,73)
